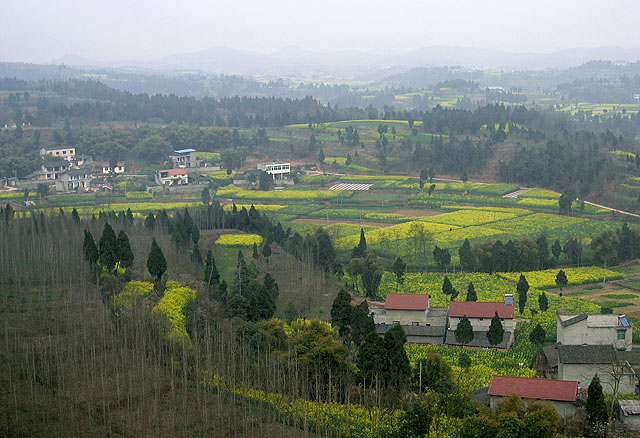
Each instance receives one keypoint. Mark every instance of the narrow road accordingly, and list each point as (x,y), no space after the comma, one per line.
(612,209)
(517,193)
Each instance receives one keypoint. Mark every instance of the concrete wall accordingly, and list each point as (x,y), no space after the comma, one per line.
(565,409)
(482,324)
(584,373)
(631,422)
(579,334)
(433,340)
(405,317)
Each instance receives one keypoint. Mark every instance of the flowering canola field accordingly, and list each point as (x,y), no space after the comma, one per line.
(239,240)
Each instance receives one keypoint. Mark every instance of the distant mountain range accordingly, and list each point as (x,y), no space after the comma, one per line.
(294,61)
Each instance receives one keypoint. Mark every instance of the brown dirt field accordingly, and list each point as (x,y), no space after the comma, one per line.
(417,213)
(319,221)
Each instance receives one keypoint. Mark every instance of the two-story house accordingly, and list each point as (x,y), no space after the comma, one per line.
(52,170)
(277,170)
(595,344)
(480,315)
(422,323)
(185,158)
(77,180)
(64,152)
(117,170)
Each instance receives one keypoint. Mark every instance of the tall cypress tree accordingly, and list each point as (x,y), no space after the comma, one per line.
(543,302)
(211,275)
(596,408)
(108,247)
(150,221)
(341,311)
(125,255)
(466,255)
(495,335)
(156,263)
(522,288)
(464,331)
(361,250)
(471,292)
(89,249)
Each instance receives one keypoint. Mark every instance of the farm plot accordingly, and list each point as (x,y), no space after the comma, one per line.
(393,235)
(465,218)
(234,192)
(547,279)
(351,186)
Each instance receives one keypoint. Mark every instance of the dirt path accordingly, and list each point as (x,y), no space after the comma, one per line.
(319,221)
(612,209)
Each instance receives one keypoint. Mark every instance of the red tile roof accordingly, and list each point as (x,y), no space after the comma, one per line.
(406,302)
(541,389)
(457,309)
(174,171)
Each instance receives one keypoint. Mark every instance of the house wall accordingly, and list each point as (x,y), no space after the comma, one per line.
(584,373)
(62,152)
(405,317)
(564,409)
(579,334)
(433,340)
(631,422)
(482,324)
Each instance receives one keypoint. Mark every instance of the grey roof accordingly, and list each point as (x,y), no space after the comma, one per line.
(595,354)
(55,148)
(185,151)
(76,172)
(551,353)
(629,407)
(414,330)
(479,339)
(56,163)
(573,320)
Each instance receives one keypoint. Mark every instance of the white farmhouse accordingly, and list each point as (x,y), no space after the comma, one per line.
(277,170)
(594,330)
(480,314)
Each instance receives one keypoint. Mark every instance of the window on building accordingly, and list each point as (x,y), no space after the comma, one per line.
(622,334)
(396,322)
(415,323)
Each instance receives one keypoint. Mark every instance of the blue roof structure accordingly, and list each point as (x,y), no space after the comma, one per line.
(623,321)
(185,151)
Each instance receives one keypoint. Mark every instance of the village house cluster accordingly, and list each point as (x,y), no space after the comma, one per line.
(586,346)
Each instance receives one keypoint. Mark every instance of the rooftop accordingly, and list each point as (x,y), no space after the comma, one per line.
(472,309)
(76,172)
(540,389)
(407,302)
(595,321)
(173,171)
(185,151)
(596,354)
(414,330)
(629,407)
(56,163)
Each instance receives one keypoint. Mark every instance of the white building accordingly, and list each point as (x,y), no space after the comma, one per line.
(107,169)
(172,177)
(184,158)
(594,330)
(76,180)
(53,169)
(277,170)
(421,323)
(64,152)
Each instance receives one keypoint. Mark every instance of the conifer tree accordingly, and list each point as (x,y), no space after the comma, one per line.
(108,247)
(156,263)
(341,311)
(464,331)
(272,287)
(471,292)
(561,279)
(495,335)
(447,288)
(150,221)
(75,217)
(399,268)
(89,250)
(537,336)
(211,275)
(196,255)
(596,408)
(360,251)
(125,254)
(260,304)
(522,288)
(543,302)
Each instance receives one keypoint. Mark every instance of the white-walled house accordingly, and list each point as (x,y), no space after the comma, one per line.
(277,170)
(74,180)
(118,169)
(594,330)
(64,152)
(53,169)
(184,158)
(562,394)
(421,323)
(172,177)
(480,315)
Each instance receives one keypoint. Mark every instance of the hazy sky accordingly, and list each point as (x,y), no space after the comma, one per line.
(41,30)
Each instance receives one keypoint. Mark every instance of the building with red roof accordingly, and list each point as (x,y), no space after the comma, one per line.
(562,394)
(421,323)
(480,315)
(172,177)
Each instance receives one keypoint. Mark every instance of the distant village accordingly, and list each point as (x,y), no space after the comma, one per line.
(65,171)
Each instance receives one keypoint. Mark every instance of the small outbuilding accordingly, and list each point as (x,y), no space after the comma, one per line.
(630,414)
